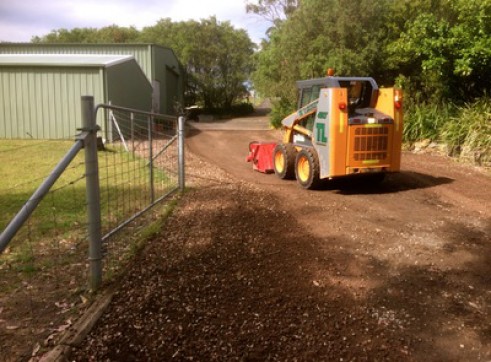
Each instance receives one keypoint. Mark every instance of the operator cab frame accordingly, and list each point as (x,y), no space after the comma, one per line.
(362,91)
(362,96)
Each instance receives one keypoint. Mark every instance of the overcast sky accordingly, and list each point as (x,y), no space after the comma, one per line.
(20,20)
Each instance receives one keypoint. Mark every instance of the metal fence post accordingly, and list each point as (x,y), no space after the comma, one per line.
(92,192)
(132,127)
(180,135)
(150,158)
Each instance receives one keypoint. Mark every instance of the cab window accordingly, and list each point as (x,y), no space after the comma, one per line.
(306,95)
(359,94)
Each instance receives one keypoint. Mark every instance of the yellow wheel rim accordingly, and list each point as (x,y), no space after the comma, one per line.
(279,162)
(303,169)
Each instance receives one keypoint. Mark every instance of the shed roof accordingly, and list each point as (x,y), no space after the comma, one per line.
(81,45)
(63,60)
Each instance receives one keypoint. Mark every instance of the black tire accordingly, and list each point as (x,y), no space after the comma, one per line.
(284,161)
(307,169)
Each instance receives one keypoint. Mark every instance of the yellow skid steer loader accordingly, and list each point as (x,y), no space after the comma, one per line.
(343,126)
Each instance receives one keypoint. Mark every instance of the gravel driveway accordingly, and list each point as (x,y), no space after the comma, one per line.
(252,268)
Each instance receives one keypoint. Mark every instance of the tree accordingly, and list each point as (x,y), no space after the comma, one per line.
(108,34)
(446,53)
(217,57)
(349,36)
(76,35)
(117,34)
(272,10)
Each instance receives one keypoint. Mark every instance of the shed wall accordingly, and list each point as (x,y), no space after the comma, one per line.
(44,102)
(167,72)
(128,87)
(158,63)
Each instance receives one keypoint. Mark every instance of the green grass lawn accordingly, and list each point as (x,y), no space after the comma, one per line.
(24,165)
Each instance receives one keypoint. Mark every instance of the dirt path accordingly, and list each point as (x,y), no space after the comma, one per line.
(253,268)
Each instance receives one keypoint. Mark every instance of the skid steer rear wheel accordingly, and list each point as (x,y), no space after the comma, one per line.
(284,160)
(307,169)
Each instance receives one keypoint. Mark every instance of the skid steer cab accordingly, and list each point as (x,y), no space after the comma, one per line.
(343,126)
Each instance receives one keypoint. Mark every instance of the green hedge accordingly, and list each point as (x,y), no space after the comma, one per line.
(466,130)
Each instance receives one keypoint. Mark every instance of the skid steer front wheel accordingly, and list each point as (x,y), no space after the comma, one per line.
(284,160)
(307,169)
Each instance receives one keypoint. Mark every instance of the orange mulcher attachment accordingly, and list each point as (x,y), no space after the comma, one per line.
(261,156)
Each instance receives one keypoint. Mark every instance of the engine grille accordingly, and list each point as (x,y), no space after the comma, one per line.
(371,143)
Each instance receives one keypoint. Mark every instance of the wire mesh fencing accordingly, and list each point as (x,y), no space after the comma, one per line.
(44,270)
(138,167)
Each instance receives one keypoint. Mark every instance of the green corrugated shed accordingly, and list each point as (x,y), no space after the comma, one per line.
(160,65)
(41,93)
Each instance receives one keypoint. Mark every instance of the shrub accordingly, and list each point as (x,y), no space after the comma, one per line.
(242,109)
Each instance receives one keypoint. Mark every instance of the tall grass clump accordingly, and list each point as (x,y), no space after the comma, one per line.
(425,121)
(468,134)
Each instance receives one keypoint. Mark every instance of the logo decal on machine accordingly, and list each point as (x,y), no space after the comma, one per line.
(320,138)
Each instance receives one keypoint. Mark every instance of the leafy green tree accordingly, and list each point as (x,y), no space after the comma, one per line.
(349,36)
(445,54)
(217,57)
(76,35)
(117,34)
(108,34)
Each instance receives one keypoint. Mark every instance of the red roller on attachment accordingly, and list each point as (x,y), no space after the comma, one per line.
(261,156)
